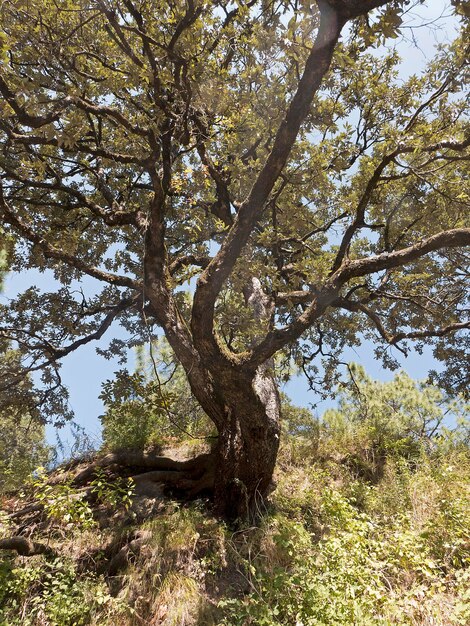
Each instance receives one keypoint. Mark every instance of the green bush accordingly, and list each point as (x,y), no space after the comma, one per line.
(371,522)
(142,412)
(49,592)
(134,412)
(62,502)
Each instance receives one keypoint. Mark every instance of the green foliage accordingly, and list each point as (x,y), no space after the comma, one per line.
(49,592)
(396,419)
(113,492)
(376,163)
(62,502)
(337,562)
(372,516)
(297,421)
(134,411)
(22,441)
(337,546)
(67,505)
(186,548)
(151,405)
(22,449)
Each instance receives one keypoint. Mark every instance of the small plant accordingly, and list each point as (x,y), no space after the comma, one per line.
(50,593)
(65,504)
(62,502)
(114,492)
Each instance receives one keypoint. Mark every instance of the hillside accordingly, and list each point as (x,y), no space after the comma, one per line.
(364,527)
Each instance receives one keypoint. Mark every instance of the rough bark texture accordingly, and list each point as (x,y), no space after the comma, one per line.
(247,449)
(249,441)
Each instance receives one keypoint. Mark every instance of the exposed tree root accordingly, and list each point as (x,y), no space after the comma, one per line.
(25,547)
(191,476)
(141,462)
(128,552)
(116,555)
(31,509)
(151,474)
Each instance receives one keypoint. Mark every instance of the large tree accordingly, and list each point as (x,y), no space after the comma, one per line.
(269,149)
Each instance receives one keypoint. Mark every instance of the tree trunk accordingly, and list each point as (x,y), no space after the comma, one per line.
(247,446)
(244,406)
(248,427)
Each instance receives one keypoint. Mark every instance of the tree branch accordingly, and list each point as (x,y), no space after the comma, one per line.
(189,259)
(325,297)
(359,219)
(115,217)
(436,332)
(122,305)
(212,279)
(52,252)
(355,306)
(455,238)
(80,146)
(33,121)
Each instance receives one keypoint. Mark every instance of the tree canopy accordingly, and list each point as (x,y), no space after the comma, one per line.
(268,154)
(22,444)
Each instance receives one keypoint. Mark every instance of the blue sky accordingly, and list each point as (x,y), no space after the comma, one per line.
(84,371)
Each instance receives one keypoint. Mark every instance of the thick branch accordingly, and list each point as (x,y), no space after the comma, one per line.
(294,297)
(278,338)
(355,306)
(189,259)
(221,208)
(191,15)
(164,309)
(359,219)
(455,238)
(349,9)
(250,211)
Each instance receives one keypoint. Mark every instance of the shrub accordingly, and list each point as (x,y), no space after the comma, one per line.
(49,592)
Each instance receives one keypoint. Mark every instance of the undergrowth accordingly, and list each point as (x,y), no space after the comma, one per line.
(369,525)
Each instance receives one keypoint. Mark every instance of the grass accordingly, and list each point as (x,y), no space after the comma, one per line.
(353,536)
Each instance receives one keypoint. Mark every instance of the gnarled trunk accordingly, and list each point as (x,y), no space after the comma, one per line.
(244,467)
(248,422)
(247,446)
(243,404)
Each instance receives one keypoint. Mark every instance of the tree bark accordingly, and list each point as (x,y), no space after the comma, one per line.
(247,446)
(249,435)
